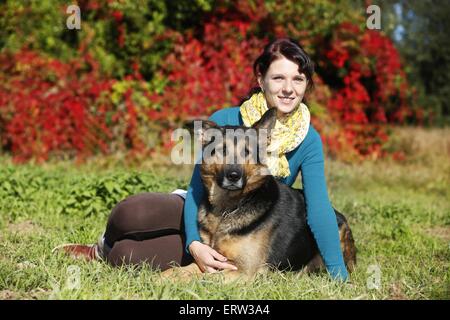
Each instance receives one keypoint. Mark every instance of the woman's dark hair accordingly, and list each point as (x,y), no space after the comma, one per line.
(278,48)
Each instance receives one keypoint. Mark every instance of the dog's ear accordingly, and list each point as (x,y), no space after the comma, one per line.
(200,128)
(267,120)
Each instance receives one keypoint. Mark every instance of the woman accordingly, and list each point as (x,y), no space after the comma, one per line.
(162,228)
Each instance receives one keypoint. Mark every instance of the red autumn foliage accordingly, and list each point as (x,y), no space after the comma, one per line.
(50,107)
(212,68)
(213,73)
(370,92)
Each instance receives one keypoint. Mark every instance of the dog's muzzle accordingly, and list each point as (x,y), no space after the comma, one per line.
(233,179)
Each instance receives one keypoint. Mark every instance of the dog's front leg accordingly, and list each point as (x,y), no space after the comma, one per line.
(182,273)
(229,276)
(240,276)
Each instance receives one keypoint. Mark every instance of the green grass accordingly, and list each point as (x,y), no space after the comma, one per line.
(399,213)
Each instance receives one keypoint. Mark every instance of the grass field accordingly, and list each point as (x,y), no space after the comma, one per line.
(399,213)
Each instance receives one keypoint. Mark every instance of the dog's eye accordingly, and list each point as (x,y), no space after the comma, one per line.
(220,150)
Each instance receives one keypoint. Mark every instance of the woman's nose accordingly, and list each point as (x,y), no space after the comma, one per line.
(287,87)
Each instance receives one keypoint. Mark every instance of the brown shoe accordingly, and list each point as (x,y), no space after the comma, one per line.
(79,251)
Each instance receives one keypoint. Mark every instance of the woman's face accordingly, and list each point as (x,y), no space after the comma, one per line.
(283,85)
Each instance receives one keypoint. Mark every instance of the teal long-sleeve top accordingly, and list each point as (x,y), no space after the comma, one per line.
(307,157)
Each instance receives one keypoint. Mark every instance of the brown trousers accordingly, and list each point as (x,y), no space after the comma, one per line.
(147,228)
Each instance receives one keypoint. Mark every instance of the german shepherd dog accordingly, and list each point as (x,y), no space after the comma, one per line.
(255,221)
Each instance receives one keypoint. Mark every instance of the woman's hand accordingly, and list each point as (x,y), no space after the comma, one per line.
(208,259)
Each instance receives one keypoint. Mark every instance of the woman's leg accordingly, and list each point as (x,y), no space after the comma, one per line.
(147,227)
(161,252)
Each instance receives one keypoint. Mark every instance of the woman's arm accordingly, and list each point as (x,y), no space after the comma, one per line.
(194,197)
(320,214)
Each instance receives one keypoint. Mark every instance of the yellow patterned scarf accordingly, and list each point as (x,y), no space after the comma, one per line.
(288,133)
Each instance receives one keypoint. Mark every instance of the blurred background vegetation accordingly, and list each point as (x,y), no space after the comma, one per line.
(418,30)
(138,69)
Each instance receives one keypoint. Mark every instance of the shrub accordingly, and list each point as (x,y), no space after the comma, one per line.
(138,69)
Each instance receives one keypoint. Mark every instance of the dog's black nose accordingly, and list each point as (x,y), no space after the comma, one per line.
(233,176)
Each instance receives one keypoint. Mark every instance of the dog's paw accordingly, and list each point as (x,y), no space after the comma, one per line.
(181,273)
(231,276)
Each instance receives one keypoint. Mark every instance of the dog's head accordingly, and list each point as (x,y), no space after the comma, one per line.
(233,158)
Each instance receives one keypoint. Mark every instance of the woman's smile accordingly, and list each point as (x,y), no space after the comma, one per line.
(286,100)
